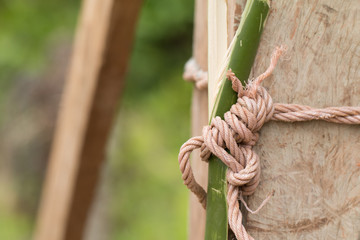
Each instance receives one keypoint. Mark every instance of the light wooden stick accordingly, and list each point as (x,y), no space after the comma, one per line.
(218,43)
(102,48)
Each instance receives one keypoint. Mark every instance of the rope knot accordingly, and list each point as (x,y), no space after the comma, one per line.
(238,133)
(232,139)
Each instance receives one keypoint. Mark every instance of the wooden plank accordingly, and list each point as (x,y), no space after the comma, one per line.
(101,53)
(199,118)
(311,166)
(217,45)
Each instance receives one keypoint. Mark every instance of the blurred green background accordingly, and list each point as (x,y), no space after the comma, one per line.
(141,194)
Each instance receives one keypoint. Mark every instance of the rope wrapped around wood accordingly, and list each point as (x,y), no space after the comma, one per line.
(232,140)
(193,73)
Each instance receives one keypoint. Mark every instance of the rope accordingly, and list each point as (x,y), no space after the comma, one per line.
(193,73)
(232,140)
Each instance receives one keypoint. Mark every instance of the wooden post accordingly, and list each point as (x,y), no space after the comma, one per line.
(311,166)
(100,58)
(199,112)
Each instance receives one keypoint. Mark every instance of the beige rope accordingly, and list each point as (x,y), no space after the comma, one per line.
(239,132)
(193,73)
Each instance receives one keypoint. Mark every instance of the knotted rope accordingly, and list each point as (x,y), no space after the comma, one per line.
(193,73)
(239,132)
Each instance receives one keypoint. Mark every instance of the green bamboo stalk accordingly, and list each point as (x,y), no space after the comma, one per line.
(242,56)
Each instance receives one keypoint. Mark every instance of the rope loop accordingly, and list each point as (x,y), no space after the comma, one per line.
(232,139)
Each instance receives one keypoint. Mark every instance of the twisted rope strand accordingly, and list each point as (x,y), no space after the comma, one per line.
(298,113)
(238,133)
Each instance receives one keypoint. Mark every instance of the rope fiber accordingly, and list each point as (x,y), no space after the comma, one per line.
(232,139)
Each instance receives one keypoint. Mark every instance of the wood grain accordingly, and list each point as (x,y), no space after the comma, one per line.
(100,58)
(311,166)
(217,44)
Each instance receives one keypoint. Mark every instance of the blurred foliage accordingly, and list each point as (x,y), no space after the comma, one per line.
(145,198)
(163,42)
(27,30)
(13,226)
(148,200)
